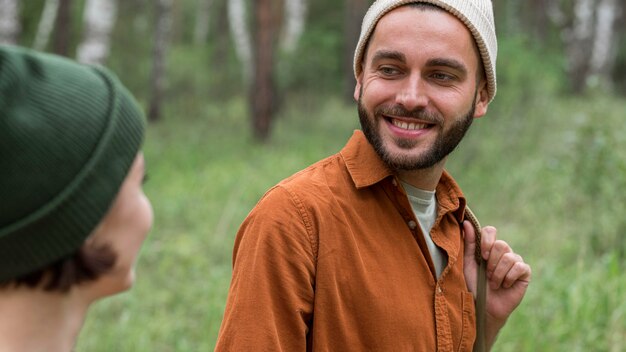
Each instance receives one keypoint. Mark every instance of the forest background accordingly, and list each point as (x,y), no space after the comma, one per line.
(243,93)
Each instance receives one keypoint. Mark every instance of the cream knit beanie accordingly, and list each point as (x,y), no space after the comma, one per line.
(477,15)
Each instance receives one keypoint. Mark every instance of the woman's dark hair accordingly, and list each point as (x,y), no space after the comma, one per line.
(87,264)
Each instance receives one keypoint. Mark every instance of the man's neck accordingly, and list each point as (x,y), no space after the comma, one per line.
(425,179)
(34,320)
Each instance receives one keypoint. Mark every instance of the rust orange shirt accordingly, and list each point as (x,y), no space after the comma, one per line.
(332,259)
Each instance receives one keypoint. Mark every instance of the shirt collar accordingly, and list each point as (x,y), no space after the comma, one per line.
(363,163)
(450,196)
(366,169)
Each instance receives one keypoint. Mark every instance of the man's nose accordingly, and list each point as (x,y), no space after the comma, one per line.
(412,93)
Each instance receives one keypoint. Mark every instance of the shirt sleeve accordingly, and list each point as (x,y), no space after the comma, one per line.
(270,301)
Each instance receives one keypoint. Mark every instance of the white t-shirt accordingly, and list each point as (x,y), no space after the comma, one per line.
(424,204)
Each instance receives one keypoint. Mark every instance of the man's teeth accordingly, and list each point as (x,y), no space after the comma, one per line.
(409,125)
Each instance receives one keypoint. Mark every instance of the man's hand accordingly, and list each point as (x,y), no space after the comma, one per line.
(507,276)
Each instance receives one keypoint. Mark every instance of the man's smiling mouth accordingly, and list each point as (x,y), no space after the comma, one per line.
(408,125)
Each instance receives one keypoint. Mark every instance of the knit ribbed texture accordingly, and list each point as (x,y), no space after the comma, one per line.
(68,136)
(477,15)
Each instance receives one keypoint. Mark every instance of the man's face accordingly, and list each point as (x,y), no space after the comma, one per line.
(418,92)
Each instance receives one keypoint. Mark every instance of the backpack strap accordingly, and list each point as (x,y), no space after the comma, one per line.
(481,285)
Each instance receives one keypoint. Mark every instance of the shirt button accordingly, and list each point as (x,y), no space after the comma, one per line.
(412,225)
(439,290)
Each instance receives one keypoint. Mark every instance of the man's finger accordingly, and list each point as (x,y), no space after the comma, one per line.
(488,238)
(469,258)
(470,239)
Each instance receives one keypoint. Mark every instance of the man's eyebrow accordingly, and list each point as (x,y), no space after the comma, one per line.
(454,64)
(388,55)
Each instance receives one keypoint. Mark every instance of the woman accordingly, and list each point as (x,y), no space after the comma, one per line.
(73,214)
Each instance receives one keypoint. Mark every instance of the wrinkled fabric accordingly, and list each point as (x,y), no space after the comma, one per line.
(332,259)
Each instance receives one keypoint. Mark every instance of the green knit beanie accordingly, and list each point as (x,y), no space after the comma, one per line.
(68,136)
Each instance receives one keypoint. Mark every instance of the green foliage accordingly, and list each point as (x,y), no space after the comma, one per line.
(316,65)
(30,15)
(131,58)
(597,175)
(525,71)
(194,74)
(570,306)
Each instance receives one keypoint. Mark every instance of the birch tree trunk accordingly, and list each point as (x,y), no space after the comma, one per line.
(580,40)
(161,45)
(603,51)
(46,24)
(295,20)
(99,20)
(203,15)
(10,27)
(237,19)
(591,43)
(263,90)
(61,45)
(555,14)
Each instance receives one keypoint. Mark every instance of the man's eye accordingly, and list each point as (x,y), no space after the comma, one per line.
(442,76)
(388,71)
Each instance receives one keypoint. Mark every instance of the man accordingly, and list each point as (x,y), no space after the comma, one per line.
(367,250)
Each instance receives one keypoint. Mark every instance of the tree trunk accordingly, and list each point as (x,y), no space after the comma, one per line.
(619,69)
(295,20)
(509,16)
(61,45)
(603,53)
(10,27)
(46,24)
(237,19)
(203,15)
(354,12)
(579,42)
(220,33)
(540,21)
(263,90)
(591,44)
(161,44)
(555,14)
(99,19)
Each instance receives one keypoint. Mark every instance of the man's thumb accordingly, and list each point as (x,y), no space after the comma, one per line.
(469,238)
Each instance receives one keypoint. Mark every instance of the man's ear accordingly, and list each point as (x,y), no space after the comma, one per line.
(482,99)
(357,87)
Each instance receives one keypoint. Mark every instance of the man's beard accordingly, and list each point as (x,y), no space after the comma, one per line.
(445,143)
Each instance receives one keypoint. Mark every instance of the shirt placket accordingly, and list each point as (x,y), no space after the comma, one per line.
(401,202)
(442,323)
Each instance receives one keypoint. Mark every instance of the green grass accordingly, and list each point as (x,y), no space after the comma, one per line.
(530,168)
